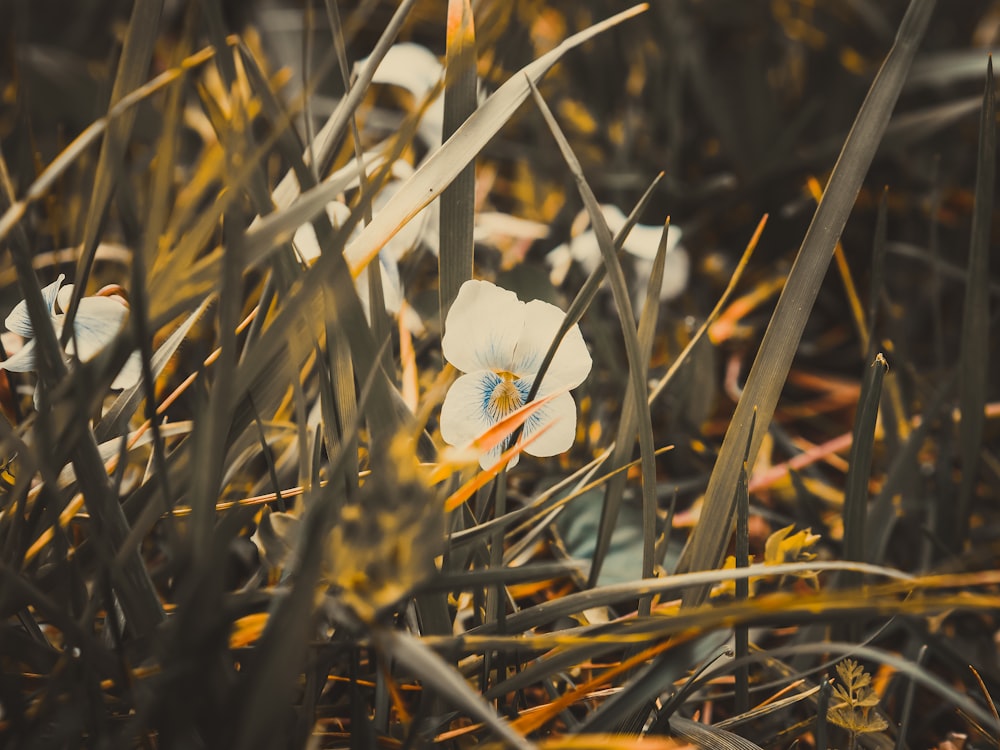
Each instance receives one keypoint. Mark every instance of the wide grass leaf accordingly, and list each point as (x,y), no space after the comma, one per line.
(707,544)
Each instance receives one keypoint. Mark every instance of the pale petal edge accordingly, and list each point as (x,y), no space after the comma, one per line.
(560,413)
(463,414)
(572,362)
(24,360)
(482,327)
(19,322)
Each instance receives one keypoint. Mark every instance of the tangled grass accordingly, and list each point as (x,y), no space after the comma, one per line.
(776,524)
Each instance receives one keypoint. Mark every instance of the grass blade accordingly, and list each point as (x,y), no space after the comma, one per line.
(906,713)
(458,199)
(741,634)
(133,66)
(413,654)
(860,464)
(646,335)
(974,358)
(637,370)
(708,541)
(878,268)
(881,514)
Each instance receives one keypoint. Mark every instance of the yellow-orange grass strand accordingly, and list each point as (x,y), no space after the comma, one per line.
(857,310)
(531,723)
(492,437)
(484,477)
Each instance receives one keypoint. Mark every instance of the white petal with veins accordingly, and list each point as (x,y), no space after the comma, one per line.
(500,342)
(483,326)
(18,321)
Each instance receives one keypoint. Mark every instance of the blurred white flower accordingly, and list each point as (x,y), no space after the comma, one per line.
(499,342)
(98,320)
(417,70)
(307,246)
(642,243)
(421,229)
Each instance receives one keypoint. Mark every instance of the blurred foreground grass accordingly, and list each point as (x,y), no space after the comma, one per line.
(259,538)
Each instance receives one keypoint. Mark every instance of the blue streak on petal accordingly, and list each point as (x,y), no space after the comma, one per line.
(488,384)
(25,360)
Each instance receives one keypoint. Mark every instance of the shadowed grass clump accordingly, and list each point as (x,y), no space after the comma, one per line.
(233,509)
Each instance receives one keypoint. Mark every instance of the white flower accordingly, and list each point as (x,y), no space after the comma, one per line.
(417,70)
(421,229)
(98,320)
(307,245)
(499,342)
(642,243)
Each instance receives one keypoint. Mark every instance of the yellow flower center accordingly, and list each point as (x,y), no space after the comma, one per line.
(505,397)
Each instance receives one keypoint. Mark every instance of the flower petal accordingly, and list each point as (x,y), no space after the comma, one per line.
(63,297)
(18,321)
(98,320)
(586,251)
(25,360)
(643,241)
(559,437)
(559,261)
(130,374)
(676,270)
(572,362)
(483,327)
(392,286)
(409,66)
(422,229)
(463,415)
(305,241)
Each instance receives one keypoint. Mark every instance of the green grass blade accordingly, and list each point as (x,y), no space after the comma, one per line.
(603,596)
(822,704)
(860,464)
(646,335)
(906,713)
(770,368)
(974,357)
(627,425)
(709,737)
(627,710)
(637,370)
(436,674)
(133,66)
(466,580)
(878,269)
(215,423)
(741,634)
(283,647)
(881,513)
(458,199)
